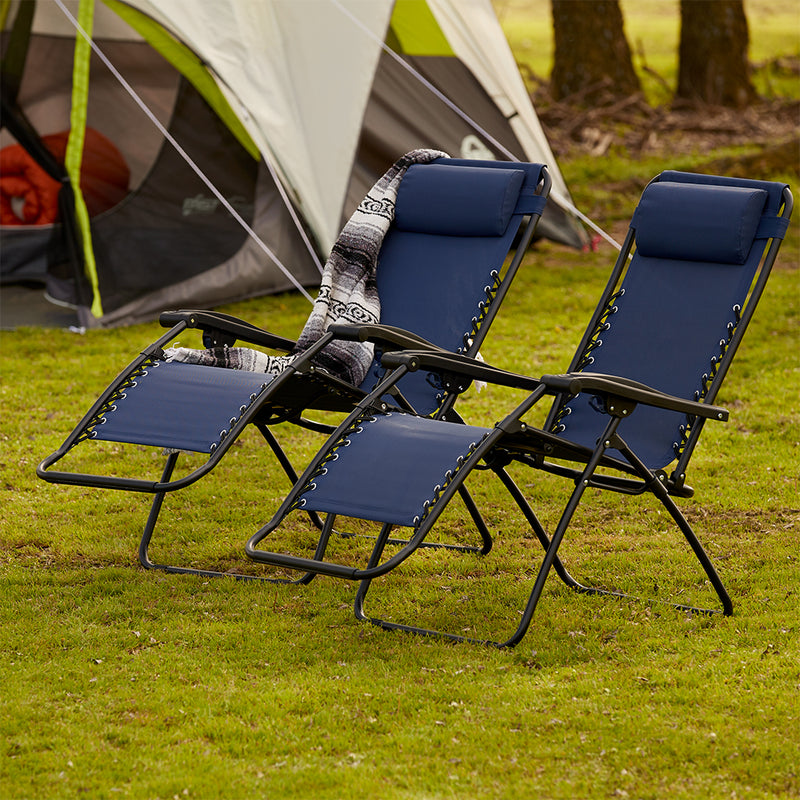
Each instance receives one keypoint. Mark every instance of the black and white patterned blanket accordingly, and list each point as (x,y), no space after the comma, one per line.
(348,290)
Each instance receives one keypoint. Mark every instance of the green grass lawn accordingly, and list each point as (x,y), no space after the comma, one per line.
(119,682)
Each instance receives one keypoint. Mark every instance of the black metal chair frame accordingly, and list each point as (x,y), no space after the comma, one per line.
(512,440)
(299,389)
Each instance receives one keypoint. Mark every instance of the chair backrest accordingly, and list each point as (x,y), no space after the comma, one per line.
(440,271)
(674,312)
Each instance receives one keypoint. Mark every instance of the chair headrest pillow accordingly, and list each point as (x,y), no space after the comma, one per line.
(457,200)
(692,222)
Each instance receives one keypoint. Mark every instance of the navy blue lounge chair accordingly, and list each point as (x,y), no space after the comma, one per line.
(631,405)
(443,274)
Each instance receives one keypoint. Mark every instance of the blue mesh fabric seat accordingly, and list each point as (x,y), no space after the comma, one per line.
(625,416)
(443,274)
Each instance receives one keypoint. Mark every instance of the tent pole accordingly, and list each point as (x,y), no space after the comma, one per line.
(74,154)
(171,139)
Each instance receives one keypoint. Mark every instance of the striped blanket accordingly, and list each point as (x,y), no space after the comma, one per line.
(348,290)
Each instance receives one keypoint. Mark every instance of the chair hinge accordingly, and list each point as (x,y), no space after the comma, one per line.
(216,338)
(614,442)
(614,405)
(456,384)
(512,426)
(676,484)
(495,459)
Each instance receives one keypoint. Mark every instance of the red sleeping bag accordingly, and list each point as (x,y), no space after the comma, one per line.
(29,196)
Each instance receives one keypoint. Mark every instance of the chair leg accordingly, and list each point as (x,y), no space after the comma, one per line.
(660,491)
(319,553)
(380,544)
(286,465)
(149,528)
(550,558)
(486,537)
(152,519)
(536,526)
(657,488)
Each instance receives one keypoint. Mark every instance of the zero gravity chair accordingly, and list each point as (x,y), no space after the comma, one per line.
(442,275)
(633,400)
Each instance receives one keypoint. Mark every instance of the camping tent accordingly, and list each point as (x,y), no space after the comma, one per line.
(280,114)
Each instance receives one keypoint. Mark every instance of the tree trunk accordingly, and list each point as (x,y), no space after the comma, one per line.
(713,66)
(592,55)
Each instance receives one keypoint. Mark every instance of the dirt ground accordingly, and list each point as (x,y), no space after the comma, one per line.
(761,141)
(769,129)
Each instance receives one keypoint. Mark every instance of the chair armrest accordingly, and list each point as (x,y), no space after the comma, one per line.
(385,336)
(612,385)
(443,361)
(232,328)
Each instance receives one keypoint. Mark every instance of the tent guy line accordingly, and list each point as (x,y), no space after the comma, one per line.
(290,208)
(184,155)
(558,198)
(426,83)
